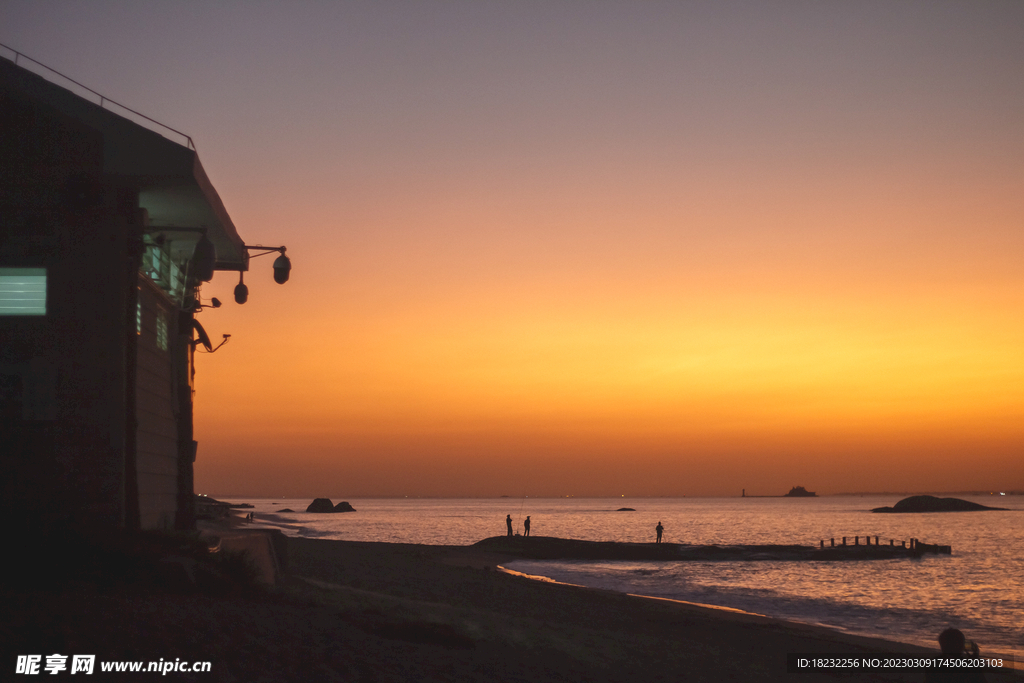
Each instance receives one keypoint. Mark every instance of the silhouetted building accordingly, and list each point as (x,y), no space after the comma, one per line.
(107,229)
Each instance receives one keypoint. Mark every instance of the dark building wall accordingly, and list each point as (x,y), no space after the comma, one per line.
(62,434)
(184,366)
(158,406)
(95,418)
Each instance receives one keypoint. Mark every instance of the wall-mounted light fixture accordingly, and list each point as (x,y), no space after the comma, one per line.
(199,305)
(282,269)
(241,291)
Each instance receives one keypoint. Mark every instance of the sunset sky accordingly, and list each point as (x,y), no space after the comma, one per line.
(594,248)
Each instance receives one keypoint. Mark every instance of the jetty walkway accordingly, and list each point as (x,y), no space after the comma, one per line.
(550,548)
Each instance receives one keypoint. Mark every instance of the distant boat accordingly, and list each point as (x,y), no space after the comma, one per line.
(800,492)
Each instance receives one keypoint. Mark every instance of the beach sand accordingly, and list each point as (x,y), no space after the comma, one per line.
(350,611)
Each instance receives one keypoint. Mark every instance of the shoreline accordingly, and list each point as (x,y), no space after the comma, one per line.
(597,627)
(915,635)
(882,643)
(396,612)
(886,644)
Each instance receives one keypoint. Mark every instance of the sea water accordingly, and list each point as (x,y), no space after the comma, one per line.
(978,589)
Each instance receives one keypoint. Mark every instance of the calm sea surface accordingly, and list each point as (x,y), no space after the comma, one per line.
(979,588)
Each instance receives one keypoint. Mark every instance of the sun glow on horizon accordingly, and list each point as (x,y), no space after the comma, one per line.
(691,368)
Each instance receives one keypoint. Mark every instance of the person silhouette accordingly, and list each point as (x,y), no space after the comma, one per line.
(953,644)
(526,526)
(508,523)
(659,529)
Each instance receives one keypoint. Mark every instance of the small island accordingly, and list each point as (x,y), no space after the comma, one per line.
(800,492)
(934,504)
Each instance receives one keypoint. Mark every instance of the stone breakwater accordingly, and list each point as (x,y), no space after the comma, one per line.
(548,548)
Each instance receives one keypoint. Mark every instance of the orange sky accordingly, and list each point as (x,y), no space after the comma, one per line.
(596,249)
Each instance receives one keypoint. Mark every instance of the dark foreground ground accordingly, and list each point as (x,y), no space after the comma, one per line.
(349,611)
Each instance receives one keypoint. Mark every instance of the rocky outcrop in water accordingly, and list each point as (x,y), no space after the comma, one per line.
(934,504)
(325,505)
(321,505)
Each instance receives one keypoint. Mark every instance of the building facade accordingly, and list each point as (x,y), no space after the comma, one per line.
(107,229)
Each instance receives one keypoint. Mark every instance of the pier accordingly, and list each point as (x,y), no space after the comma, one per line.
(848,548)
(868,550)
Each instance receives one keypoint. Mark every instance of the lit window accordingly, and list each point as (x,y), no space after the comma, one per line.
(22,291)
(161,331)
(164,272)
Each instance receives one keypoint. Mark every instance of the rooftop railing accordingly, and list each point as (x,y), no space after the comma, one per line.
(50,72)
